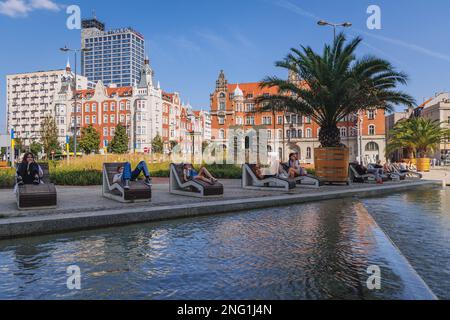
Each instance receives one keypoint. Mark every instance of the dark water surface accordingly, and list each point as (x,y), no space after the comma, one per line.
(308,251)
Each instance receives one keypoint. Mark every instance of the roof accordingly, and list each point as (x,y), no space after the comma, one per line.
(121,92)
(252,88)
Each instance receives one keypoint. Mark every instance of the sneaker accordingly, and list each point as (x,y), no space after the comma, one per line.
(20,181)
(126,185)
(36,182)
(148,182)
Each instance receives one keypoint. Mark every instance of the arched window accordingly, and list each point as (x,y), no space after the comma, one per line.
(300,134)
(221,134)
(308,133)
(269,148)
(343,131)
(372,146)
(371,130)
(308,153)
(288,134)
(293,133)
(371,114)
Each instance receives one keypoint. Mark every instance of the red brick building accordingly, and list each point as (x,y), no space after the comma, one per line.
(232,106)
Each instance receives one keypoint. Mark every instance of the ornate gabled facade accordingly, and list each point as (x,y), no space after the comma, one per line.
(232,107)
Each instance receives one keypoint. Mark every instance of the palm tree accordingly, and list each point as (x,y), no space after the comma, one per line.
(422,135)
(335,84)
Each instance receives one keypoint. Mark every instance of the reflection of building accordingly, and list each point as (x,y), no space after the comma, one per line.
(29,99)
(116,56)
(232,107)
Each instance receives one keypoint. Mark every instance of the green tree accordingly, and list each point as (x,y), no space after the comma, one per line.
(418,134)
(157,144)
(49,136)
(119,143)
(335,84)
(90,140)
(19,145)
(35,148)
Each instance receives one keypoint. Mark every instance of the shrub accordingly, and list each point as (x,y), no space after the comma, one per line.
(7,178)
(76,177)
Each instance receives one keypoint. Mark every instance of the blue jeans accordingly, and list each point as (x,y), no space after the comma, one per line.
(132,175)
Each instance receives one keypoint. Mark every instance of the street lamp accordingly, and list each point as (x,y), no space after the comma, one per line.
(334,25)
(75,51)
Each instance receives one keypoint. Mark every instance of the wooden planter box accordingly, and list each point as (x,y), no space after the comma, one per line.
(423,164)
(332,164)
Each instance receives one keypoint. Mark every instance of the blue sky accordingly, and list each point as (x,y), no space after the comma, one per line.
(189,42)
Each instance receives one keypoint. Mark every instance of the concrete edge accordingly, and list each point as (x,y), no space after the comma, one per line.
(49,224)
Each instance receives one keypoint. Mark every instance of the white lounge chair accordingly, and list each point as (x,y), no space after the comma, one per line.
(306,181)
(357,177)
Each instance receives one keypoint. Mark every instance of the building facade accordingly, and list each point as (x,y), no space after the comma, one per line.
(30,99)
(115,56)
(233,106)
(438,109)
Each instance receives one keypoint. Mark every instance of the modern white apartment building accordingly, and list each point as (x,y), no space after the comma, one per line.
(29,99)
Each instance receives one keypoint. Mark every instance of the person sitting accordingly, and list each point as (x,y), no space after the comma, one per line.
(295,170)
(403,166)
(204,175)
(28,171)
(125,174)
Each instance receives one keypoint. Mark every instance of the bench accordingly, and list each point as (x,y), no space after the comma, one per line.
(138,192)
(191,188)
(307,181)
(42,196)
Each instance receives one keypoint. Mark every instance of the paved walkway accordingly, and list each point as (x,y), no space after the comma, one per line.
(89,199)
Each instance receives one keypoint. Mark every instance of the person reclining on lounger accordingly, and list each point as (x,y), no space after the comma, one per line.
(28,171)
(204,175)
(258,171)
(125,175)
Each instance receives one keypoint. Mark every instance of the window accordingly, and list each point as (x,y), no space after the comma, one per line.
(112,131)
(267,120)
(105,132)
(105,107)
(239,121)
(308,133)
(221,134)
(307,119)
(86,120)
(343,131)
(122,106)
(94,119)
(372,146)
(128,105)
(371,130)
(222,106)
(371,114)
(221,120)
(105,118)
(300,134)
(250,120)
(280,119)
(87,108)
(113,119)
(113,106)
(308,153)
(249,107)
(94,107)
(122,118)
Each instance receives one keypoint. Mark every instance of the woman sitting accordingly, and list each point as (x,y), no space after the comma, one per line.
(295,170)
(28,171)
(189,174)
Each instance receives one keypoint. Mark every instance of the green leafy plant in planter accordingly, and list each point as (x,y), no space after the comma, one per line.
(332,85)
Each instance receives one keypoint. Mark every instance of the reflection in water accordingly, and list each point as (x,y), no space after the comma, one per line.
(419,224)
(310,251)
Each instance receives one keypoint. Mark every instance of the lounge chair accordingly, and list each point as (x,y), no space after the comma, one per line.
(409,173)
(192,188)
(42,196)
(138,192)
(251,181)
(360,177)
(307,181)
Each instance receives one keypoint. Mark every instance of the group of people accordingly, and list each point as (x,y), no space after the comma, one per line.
(291,170)
(29,172)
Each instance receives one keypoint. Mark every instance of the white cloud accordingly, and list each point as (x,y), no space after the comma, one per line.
(21,8)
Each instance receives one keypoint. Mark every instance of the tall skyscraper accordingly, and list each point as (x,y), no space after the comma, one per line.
(116,56)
